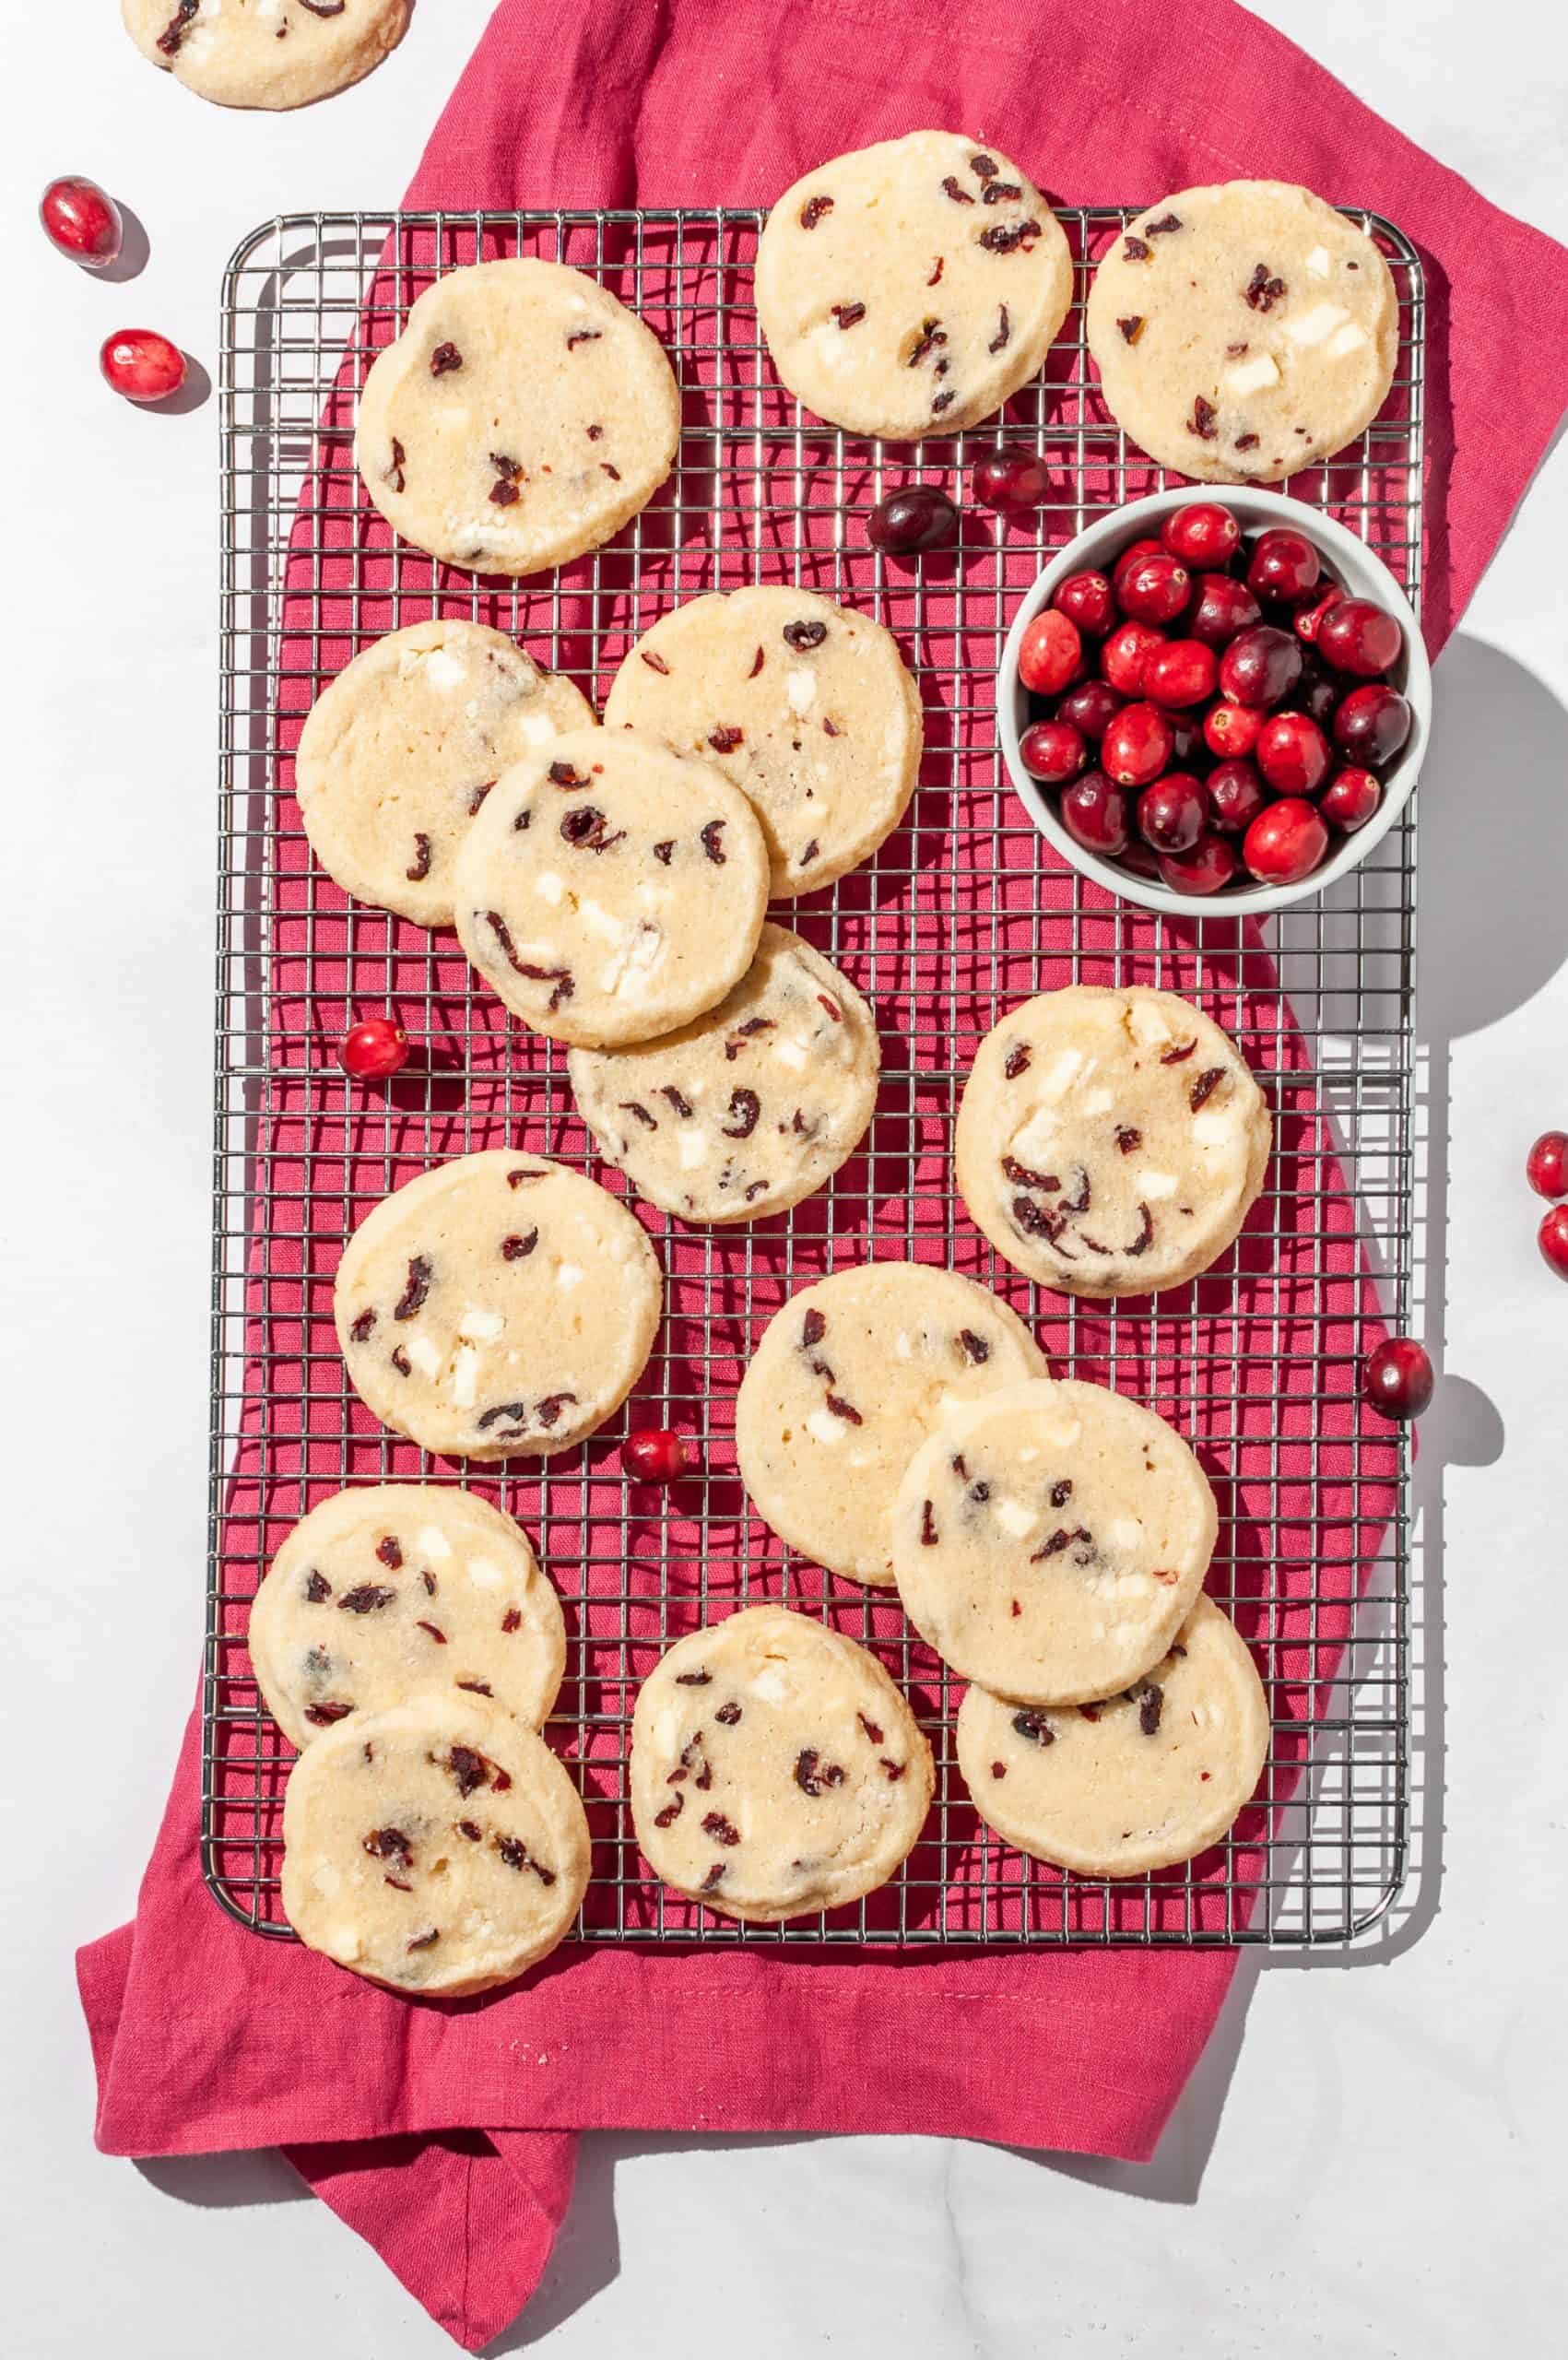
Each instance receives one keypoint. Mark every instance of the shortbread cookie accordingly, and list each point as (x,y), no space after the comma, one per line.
(804,705)
(751,1106)
(499,1306)
(267,53)
(436,1847)
(775,1769)
(910,287)
(847,1382)
(383,1594)
(1049,1541)
(1244,331)
(397,755)
(610,891)
(521,418)
(1149,1778)
(1110,1142)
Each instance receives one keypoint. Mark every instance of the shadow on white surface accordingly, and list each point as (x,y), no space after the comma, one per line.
(258,2176)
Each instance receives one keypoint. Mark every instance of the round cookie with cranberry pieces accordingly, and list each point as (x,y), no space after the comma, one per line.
(1050,1538)
(522,416)
(804,705)
(1145,1779)
(438,1848)
(387,1592)
(748,1108)
(610,891)
(271,53)
(1110,1142)
(776,1770)
(498,1306)
(1243,331)
(399,752)
(847,1382)
(909,289)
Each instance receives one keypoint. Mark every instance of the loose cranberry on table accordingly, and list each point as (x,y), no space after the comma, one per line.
(1349,799)
(1203,535)
(1307,622)
(1207,869)
(1179,672)
(1286,842)
(1054,751)
(907,523)
(1284,565)
(1293,754)
(1154,588)
(1371,724)
(1232,730)
(1361,639)
(1094,813)
(1397,1377)
(1088,600)
(1012,479)
(374,1049)
(1546,1167)
(1236,794)
(1091,707)
(656,1455)
(1224,607)
(1552,1238)
(1125,652)
(1260,666)
(1050,654)
(1172,813)
(80,220)
(142,365)
(1136,745)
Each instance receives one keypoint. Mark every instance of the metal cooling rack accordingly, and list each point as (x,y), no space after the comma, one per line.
(1262,1351)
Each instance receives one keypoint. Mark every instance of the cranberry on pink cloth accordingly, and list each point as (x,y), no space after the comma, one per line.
(446,2135)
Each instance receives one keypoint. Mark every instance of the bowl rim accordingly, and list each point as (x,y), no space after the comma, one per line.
(1342,547)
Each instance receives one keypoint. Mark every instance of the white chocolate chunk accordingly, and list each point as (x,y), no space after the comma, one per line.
(1349,339)
(466,1377)
(801,690)
(433,1543)
(484,1575)
(444,671)
(1014,1517)
(1317,262)
(694,1149)
(1247,376)
(1317,325)
(826,1427)
(481,1326)
(1157,1184)
(570,1274)
(423,1354)
(549,886)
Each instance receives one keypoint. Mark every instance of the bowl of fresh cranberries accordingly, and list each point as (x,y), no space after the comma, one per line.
(1215,700)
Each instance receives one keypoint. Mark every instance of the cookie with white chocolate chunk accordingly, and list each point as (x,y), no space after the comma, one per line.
(1243,331)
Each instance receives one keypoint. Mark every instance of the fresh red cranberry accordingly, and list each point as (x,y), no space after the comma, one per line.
(1204,535)
(1130,555)
(1546,1167)
(907,523)
(1349,799)
(1307,622)
(373,1050)
(1371,724)
(1207,869)
(1012,479)
(1124,654)
(1172,813)
(142,365)
(1286,842)
(1236,794)
(1318,692)
(1088,600)
(1091,707)
(1284,565)
(1552,1238)
(1136,745)
(1188,750)
(1232,730)
(1260,666)
(1224,607)
(1155,588)
(81,220)
(654,1456)
(1361,639)
(1293,754)
(1094,814)
(1054,751)
(1397,1378)
(1180,671)
(1139,859)
(1049,653)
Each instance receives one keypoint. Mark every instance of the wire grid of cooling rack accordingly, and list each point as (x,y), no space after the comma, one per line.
(962,914)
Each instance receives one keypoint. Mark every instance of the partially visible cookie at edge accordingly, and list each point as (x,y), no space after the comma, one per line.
(267,53)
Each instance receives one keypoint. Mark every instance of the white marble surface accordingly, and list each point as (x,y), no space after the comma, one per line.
(1370,2159)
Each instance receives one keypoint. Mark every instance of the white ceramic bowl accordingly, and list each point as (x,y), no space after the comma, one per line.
(1348,561)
